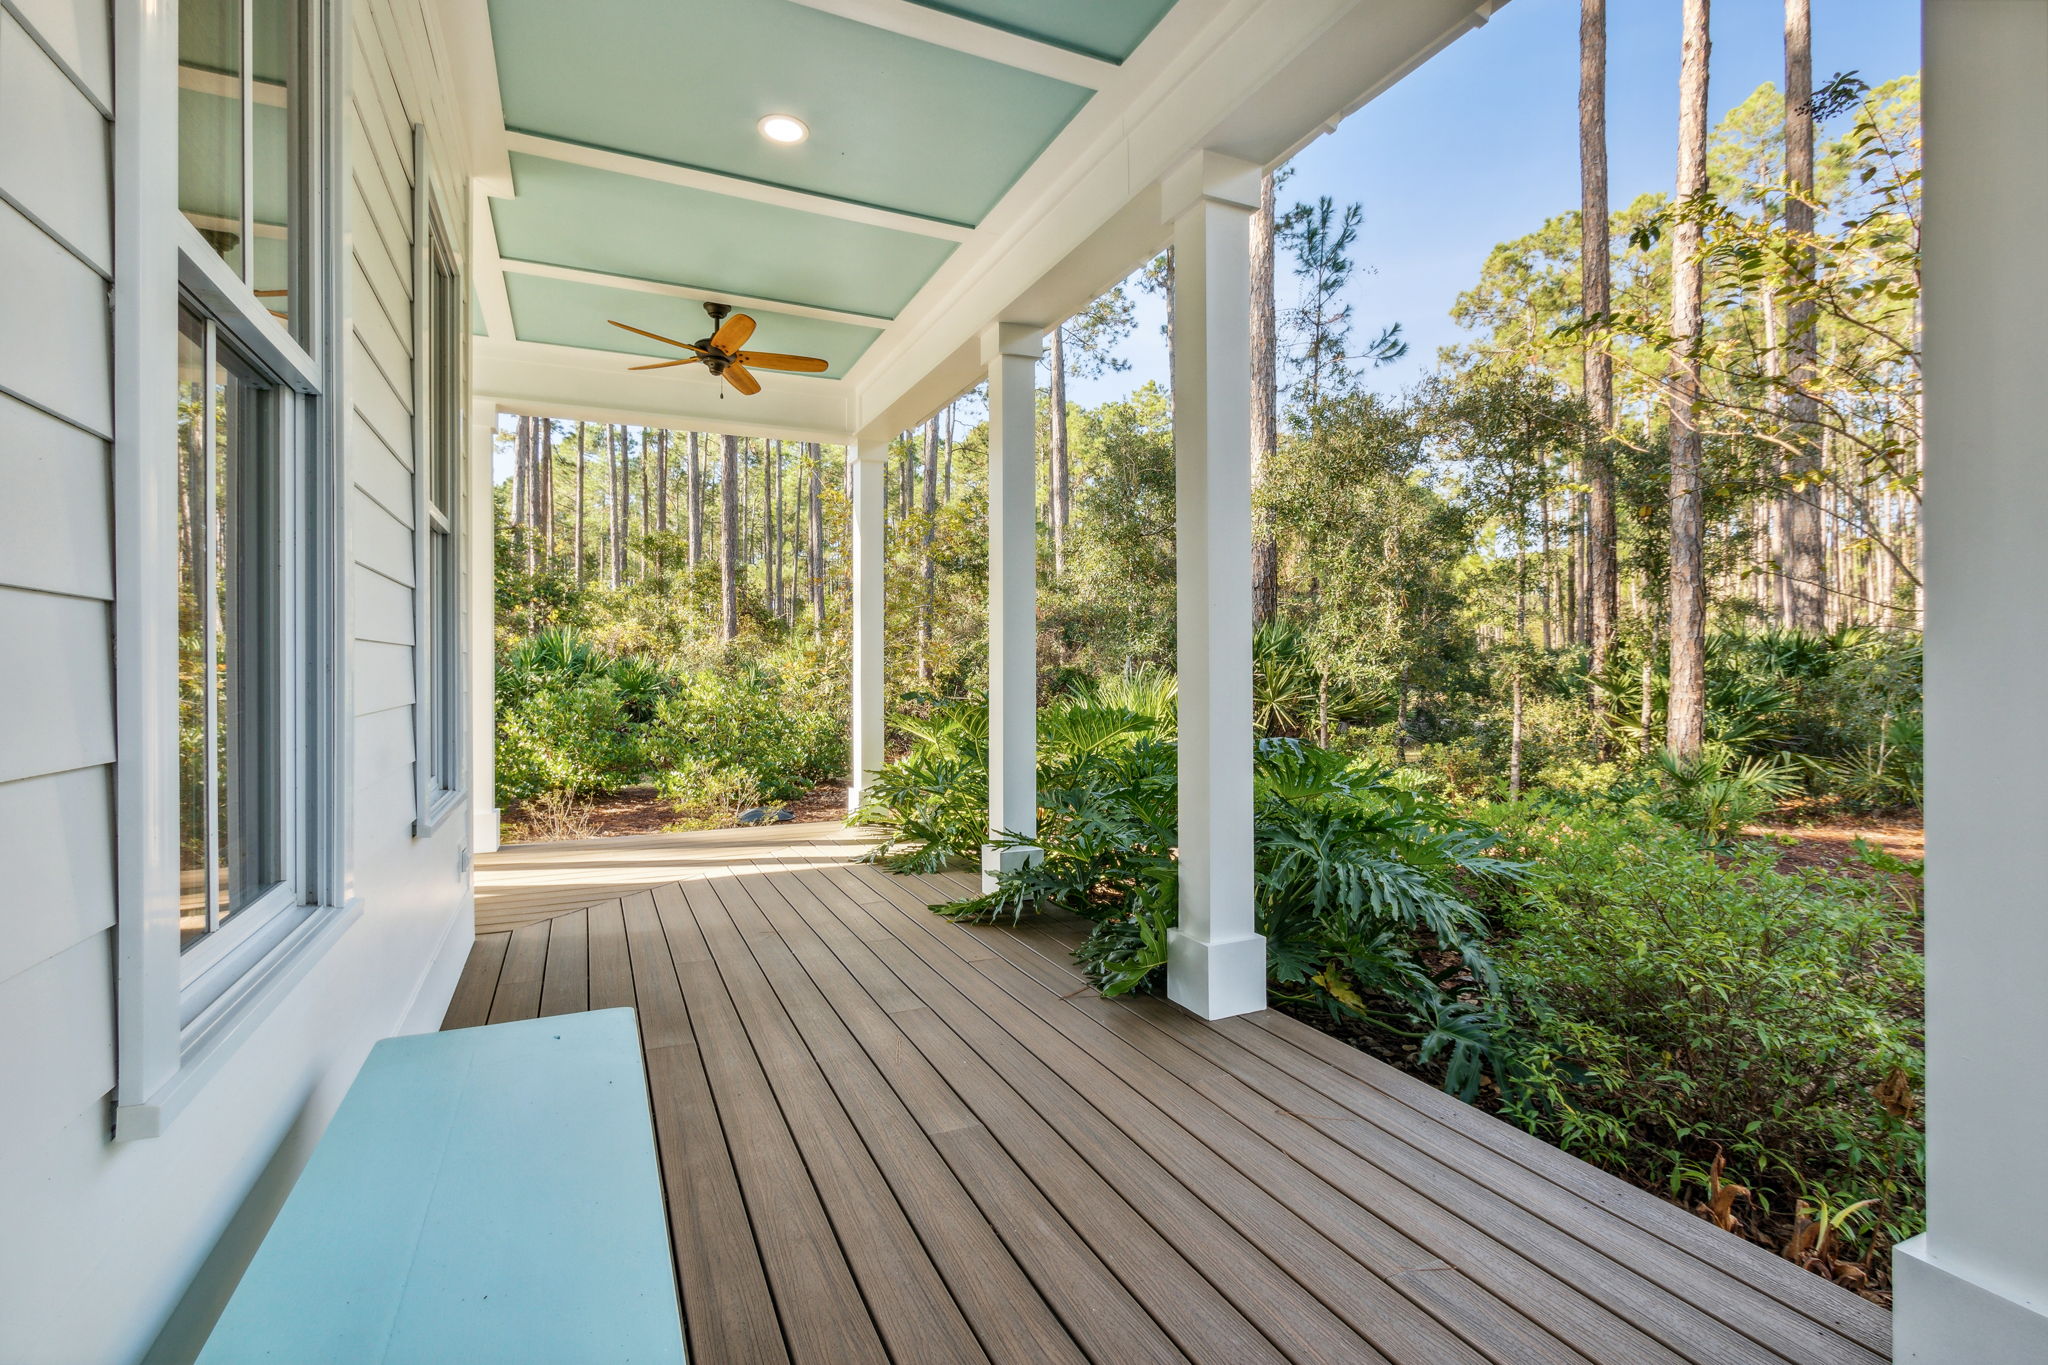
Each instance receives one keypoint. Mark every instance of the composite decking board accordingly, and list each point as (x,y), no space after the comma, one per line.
(992,1288)
(1265,1295)
(1640,1273)
(1014,1106)
(611,966)
(1268,1196)
(1097,1311)
(728,1309)
(518,995)
(471,1003)
(1071,1177)
(819,1301)
(1685,1275)
(565,980)
(912,1306)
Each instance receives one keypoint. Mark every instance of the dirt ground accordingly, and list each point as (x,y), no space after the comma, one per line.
(638,810)
(1826,841)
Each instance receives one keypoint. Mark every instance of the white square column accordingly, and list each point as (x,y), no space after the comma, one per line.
(864,488)
(1974,1288)
(482,630)
(1216,963)
(1010,350)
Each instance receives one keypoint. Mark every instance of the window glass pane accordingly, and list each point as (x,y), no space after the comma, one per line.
(210,122)
(232,737)
(194,843)
(273,136)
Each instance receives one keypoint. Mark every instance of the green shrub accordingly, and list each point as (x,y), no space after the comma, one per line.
(568,739)
(1676,1006)
(742,721)
(932,804)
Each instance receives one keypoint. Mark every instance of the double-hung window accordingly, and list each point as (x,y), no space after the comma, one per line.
(440,319)
(248,529)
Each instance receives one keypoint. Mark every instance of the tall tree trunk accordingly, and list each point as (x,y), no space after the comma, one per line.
(1685,718)
(1515,739)
(646,502)
(661,486)
(693,495)
(548,498)
(615,520)
(1805,570)
(729,537)
(925,569)
(522,440)
(1602,573)
(949,454)
(817,462)
(582,495)
(1265,406)
(770,450)
(1056,484)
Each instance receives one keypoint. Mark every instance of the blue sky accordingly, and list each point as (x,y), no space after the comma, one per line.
(1481,145)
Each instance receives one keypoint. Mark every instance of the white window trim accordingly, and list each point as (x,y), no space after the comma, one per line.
(169,1040)
(434,801)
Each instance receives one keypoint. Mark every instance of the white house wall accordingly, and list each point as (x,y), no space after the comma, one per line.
(100,1241)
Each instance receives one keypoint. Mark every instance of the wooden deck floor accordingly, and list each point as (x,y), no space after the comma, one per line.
(885,1137)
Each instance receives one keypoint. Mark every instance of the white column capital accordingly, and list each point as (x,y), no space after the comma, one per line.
(1019,339)
(868,449)
(1214,177)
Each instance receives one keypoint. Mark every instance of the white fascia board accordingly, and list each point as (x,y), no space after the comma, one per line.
(1255,79)
(595,386)
(941,29)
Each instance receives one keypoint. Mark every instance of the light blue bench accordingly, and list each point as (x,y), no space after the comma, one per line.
(488,1195)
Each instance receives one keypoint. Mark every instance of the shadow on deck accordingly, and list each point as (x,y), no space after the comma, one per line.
(888,1137)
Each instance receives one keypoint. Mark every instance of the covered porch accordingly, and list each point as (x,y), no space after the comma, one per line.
(885,1136)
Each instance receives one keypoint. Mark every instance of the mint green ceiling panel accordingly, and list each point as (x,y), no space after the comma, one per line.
(895,122)
(572,313)
(1109,29)
(625,225)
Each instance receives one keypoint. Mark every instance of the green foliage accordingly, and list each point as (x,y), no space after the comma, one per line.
(1715,794)
(1677,1005)
(572,739)
(932,804)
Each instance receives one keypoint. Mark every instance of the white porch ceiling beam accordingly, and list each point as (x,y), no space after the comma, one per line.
(596,386)
(978,40)
(668,173)
(486,269)
(690,292)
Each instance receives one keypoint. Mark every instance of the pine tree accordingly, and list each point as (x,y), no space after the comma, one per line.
(1685,719)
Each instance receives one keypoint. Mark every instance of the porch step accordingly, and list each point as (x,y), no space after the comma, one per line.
(482,1194)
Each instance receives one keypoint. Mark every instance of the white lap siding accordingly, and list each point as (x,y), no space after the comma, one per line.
(113,1252)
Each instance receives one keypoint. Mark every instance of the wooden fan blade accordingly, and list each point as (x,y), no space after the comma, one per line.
(738,376)
(733,333)
(271,293)
(771,360)
(666,364)
(655,336)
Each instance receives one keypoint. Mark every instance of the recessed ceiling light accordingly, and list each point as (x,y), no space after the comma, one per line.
(783,128)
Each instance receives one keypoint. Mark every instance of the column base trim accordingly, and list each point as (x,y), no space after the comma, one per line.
(1218,979)
(1943,1316)
(994,860)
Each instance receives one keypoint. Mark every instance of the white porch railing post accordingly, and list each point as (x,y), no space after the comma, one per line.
(1216,964)
(1975,1287)
(1010,350)
(864,478)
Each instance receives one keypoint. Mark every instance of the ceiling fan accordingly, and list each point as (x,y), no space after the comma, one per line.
(720,352)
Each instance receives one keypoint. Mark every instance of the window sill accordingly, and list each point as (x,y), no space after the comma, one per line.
(235,1017)
(436,808)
